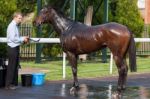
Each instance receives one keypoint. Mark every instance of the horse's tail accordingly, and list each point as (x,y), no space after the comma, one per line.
(132,55)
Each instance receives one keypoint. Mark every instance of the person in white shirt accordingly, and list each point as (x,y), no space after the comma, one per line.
(14,40)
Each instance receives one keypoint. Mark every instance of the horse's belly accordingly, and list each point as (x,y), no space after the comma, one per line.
(85,48)
(91,48)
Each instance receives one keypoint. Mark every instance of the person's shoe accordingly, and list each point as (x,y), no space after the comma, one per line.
(11,87)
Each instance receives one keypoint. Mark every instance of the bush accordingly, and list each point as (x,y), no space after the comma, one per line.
(127,15)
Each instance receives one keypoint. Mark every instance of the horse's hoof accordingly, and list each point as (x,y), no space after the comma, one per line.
(119,89)
(116,95)
(123,87)
(73,91)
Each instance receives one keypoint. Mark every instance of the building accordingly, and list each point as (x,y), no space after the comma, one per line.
(147,12)
(144,7)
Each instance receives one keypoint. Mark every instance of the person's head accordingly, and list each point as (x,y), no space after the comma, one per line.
(17,17)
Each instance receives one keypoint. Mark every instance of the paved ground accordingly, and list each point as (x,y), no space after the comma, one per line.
(138,87)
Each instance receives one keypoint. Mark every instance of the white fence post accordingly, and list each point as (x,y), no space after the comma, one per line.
(111,63)
(64,65)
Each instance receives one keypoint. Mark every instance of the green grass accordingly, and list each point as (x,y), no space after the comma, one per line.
(87,69)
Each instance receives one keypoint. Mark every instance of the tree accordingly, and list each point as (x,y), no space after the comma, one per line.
(26,6)
(56,3)
(126,12)
(7,9)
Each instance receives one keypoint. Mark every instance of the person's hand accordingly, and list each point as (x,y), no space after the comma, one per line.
(26,39)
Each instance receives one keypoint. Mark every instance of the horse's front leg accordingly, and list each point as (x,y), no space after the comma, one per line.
(73,61)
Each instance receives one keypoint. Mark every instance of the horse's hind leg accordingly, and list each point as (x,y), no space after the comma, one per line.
(119,51)
(73,61)
(124,73)
(122,70)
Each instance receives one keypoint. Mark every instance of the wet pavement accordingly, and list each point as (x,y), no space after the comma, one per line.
(138,87)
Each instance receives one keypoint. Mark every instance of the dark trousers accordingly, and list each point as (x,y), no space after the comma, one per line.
(12,68)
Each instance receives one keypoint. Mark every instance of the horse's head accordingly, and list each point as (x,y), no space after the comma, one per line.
(45,16)
(53,16)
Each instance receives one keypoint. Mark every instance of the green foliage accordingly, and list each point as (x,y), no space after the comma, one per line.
(97,11)
(50,50)
(149,30)
(126,12)
(26,6)
(56,3)
(7,9)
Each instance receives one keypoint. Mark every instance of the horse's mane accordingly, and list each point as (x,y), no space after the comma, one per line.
(59,12)
(56,9)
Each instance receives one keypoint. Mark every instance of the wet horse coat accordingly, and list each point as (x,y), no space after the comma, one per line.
(85,39)
(77,38)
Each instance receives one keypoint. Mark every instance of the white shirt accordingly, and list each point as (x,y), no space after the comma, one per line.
(13,36)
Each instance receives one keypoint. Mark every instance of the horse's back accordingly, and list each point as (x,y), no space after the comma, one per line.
(116,27)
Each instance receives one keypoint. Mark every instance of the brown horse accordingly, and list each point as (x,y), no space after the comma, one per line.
(77,38)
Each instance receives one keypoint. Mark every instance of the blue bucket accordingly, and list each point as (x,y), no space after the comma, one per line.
(38,78)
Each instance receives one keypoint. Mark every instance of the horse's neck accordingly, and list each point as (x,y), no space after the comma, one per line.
(61,23)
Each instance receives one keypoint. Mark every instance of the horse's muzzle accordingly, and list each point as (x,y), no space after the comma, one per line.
(36,23)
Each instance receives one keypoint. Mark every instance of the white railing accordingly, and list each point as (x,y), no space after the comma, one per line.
(44,40)
(57,40)
(36,40)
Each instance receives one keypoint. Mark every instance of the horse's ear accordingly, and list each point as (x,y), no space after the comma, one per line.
(49,6)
